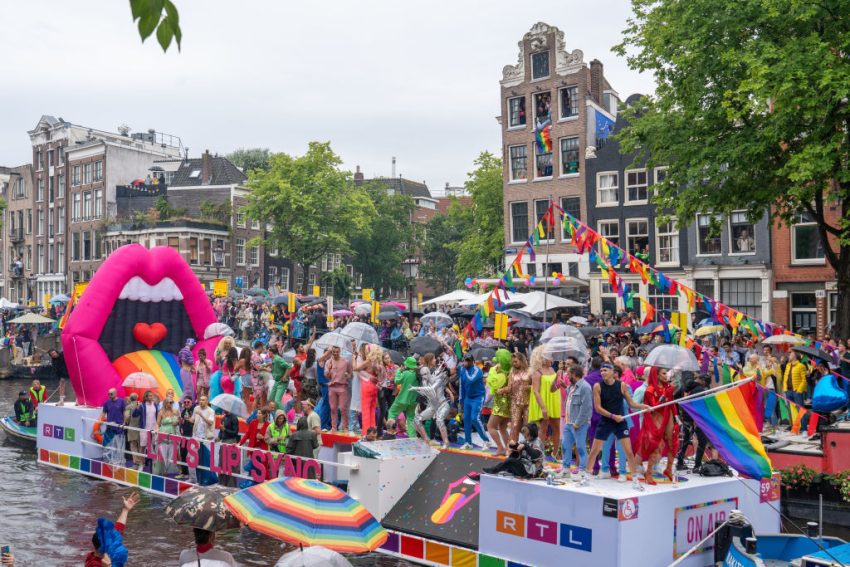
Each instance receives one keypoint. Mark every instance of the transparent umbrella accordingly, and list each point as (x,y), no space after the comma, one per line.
(361,332)
(363,309)
(561,348)
(333,339)
(230,404)
(672,356)
(561,330)
(315,556)
(437,319)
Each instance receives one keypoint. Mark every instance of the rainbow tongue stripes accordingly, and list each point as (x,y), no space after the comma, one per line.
(161,365)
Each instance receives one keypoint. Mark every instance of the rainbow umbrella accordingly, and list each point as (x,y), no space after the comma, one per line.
(308,512)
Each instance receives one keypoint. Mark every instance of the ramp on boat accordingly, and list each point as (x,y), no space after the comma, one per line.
(443,503)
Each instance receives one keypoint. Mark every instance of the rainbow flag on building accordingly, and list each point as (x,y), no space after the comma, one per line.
(543,137)
(727,420)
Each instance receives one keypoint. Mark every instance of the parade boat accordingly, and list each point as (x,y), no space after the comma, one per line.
(18,432)
(829,453)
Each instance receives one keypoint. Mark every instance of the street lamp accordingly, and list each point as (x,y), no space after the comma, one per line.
(410,266)
(218,259)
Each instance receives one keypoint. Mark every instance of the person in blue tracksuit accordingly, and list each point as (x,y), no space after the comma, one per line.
(471,399)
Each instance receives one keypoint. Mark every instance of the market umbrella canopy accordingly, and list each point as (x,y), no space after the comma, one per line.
(316,556)
(360,332)
(308,512)
(437,319)
(672,356)
(561,330)
(31,319)
(784,340)
(452,297)
(561,348)
(424,345)
(231,404)
(203,507)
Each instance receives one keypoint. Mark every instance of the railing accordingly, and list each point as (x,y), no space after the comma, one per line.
(16,235)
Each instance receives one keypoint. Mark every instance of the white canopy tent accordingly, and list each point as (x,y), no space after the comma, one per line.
(534,302)
(452,297)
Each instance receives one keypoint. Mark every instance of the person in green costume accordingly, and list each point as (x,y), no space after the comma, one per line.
(497,426)
(405,402)
(280,373)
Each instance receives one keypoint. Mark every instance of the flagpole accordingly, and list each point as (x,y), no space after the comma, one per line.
(546,217)
(698,395)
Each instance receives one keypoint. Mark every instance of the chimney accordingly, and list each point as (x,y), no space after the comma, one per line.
(596,80)
(358,176)
(206,168)
(393,173)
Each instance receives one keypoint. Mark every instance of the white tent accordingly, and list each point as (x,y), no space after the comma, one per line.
(6,304)
(452,297)
(534,302)
(504,296)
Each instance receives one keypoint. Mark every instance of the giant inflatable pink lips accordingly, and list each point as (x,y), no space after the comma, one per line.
(135,289)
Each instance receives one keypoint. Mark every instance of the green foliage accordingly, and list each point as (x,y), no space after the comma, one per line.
(215,211)
(798,477)
(159,15)
(340,281)
(250,158)
(379,251)
(314,207)
(164,209)
(482,249)
(750,111)
(444,235)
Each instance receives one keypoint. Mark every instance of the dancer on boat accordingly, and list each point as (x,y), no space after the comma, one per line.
(659,434)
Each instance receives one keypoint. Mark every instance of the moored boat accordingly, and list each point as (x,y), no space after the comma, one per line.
(18,432)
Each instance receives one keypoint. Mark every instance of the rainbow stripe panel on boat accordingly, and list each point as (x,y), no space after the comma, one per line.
(429,552)
(161,365)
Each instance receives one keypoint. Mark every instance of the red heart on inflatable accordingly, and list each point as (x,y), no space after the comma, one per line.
(149,335)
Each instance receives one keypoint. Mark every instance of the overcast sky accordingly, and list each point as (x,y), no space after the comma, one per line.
(414,79)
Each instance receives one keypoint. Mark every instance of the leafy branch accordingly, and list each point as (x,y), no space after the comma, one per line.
(160,16)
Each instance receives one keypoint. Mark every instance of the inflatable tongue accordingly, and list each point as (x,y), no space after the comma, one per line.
(135,316)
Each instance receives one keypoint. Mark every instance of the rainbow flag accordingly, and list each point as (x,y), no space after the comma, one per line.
(727,420)
(68,308)
(543,137)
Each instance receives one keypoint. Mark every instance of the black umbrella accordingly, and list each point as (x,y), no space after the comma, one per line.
(415,313)
(483,353)
(388,315)
(203,507)
(588,332)
(524,323)
(460,312)
(424,345)
(390,307)
(313,302)
(616,329)
(812,352)
(395,356)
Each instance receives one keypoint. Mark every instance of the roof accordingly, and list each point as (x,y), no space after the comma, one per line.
(405,186)
(223,173)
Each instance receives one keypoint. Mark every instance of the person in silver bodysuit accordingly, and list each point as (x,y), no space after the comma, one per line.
(433,388)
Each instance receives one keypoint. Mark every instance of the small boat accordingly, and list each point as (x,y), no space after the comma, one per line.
(737,546)
(18,432)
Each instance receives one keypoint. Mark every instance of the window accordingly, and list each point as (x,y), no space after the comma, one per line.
(272,276)
(543,108)
(636,191)
(86,173)
(609,299)
(29,221)
(50,158)
(206,251)
(806,245)
(637,236)
(284,278)
(51,189)
(60,189)
(741,233)
(543,161)
(75,175)
(832,299)
(667,243)
(50,259)
(240,220)
(609,101)
(97,245)
(60,259)
(193,250)
(572,206)
(86,205)
(662,302)
(660,174)
(540,208)
(540,65)
(299,281)
(743,295)
(519,221)
(39,160)
(708,242)
(569,102)
(804,312)
(98,170)
(611,230)
(29,257)
(569,155)
(98,203)
(607,189)
(516,111)
(87,251)
(50,223)
(39,254)
(255,255)
(75,211)
(519,162)
(39,194)
(20,189)
(195,173)
(39,227)
(312,278)
(255,224)
(75,246)
(240,251)
(174,242)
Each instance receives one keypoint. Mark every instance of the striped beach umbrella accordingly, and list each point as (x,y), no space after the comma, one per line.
(308,512)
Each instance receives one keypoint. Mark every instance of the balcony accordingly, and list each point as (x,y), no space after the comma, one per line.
(16,235)
(16,272)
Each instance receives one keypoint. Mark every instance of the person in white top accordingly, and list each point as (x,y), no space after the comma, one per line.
(204,554)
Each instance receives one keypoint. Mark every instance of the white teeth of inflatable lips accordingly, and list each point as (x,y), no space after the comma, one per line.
(138,290)
(218,329)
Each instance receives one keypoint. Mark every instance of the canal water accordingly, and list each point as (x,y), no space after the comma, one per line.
(47,516)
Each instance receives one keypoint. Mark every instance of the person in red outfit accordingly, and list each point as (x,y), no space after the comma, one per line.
(255,436)
(95,559)
(659,434)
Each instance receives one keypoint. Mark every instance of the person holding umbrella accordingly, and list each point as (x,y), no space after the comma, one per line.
(203,508)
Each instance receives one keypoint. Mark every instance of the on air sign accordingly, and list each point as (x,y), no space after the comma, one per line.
(692,524)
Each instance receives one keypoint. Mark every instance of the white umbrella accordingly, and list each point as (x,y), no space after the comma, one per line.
(361,332)
(578,319)
(437,319)
(561,348)
(561,330)
(316,556)
(534,302)
(783,340)
(363,309)
(6,304)
(672,356)
(31,319)
(231,404)
(452,297)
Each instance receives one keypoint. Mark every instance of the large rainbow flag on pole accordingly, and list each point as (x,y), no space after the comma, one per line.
(727,420)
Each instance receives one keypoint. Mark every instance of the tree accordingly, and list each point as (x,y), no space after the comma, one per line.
(482,249)
(339,281)
(159,15)
(444,238)
(379,252)
(250,158)
(750,112)
(313,206)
